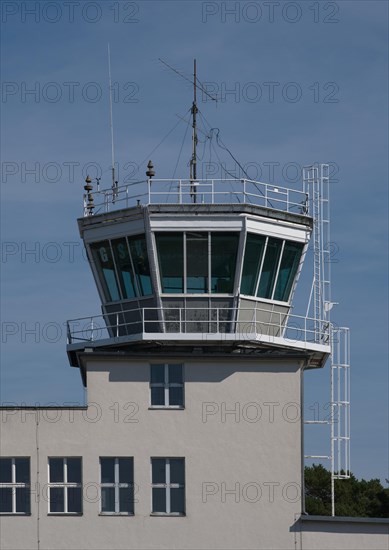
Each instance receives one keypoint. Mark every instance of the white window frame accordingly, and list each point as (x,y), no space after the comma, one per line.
(16,485)
(208,293)
(167,486)
(167,385)
(117,485)
(63,485)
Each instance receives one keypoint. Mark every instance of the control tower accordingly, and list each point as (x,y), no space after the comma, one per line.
(196,281)
(198,338)
(215,275)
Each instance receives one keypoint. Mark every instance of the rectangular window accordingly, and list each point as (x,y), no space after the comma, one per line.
(224,252)
(65,485)
(168,486)
(117,485)
(171,261)
(197,263)
(15,486)
(167,386)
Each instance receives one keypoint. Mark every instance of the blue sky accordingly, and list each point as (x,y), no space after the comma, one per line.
(327,65)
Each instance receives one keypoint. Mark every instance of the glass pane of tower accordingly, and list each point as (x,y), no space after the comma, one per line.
(197,263)
(255,245)
(103,260)
(224,249)
(124,267)
(269,269)
(141,264)
(171,261)
(288,268)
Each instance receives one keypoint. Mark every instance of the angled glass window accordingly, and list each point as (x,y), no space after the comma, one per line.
(197,263)
(275,262)
(14,485)
(140,260)
(124,267)
(168,486)
(102,257)
(131,278)
(224,250)
(117,485)
(289,263)
(269,268)
(255,245)
(171,261)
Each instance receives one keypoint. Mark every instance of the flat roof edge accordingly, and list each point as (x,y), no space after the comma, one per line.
(344,519)
(132,212)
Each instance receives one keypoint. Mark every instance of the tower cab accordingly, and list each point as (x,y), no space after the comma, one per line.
(205,264)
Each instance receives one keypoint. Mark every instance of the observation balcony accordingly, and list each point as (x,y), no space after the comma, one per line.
(203,326)
(213,191)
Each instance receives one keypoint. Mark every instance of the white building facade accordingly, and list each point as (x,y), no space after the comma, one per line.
(192,435)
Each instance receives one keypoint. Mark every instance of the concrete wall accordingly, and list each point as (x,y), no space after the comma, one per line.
(242,468)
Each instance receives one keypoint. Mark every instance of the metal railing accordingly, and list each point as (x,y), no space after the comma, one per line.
(215,191)
(182,322)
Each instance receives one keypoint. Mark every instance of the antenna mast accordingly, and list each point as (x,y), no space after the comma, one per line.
(194,111)
(114,183)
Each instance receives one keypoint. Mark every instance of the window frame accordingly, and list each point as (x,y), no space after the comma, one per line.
(65,485)
(166,385)
(13,485)
(117,485)
(105,291)
(168,486)
(108,290)
(185,234)
(276,271)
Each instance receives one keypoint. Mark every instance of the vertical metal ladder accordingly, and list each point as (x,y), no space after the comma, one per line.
(316,183)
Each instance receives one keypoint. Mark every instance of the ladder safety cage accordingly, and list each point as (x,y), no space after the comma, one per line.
(316,180)
(340,403)
(316,186)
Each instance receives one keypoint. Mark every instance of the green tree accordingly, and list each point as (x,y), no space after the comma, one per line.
(353,497)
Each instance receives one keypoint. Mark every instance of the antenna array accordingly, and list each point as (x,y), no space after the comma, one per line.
(114,182)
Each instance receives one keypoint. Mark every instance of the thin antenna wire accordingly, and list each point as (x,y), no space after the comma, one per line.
(114,183)
(189,80)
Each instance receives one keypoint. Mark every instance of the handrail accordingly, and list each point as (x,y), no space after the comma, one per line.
(198,320)
(214,191)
